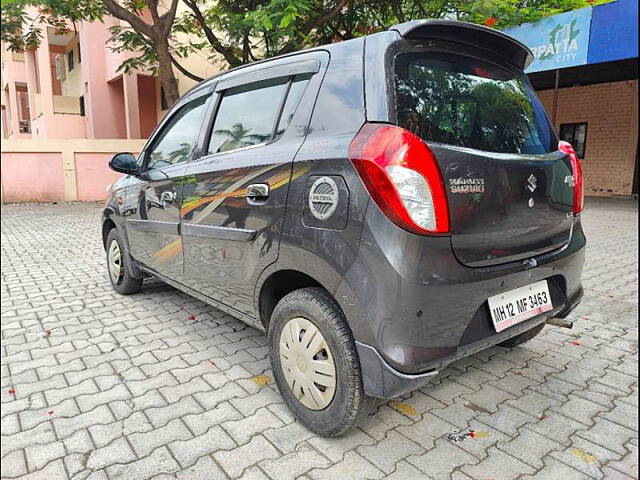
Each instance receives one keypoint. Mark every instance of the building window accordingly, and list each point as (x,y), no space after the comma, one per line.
(82,106)
(576,135)
(70,59)
(79,56)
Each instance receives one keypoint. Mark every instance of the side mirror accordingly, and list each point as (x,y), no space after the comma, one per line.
(124,163)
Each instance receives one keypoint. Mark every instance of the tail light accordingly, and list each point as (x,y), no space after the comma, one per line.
(402,176)
(578,179)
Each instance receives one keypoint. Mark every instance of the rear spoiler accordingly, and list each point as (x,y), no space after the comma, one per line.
(486,38)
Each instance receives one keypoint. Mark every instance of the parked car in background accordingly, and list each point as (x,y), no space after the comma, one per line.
(380,207)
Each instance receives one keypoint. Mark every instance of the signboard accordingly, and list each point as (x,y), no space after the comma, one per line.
(614,32)
(559,41)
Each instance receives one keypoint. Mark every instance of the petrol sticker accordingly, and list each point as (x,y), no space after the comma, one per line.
(323,198)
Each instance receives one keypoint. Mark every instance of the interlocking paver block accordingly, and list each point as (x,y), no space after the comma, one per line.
(335,448)
(628,465)
(389,451)
(498,464)
(159,462)
(38,455)
(235,461)
(66,426)
(529,406)
(13,464)
(352,467)
(188,451)
(41,435)
(579,409)
(291,465)
(288,437)
(438,462)
(242,430)
(161,415)
(608,434)
(146,442)
(530,447)
(176,392)
(507,419)
(199,423)
(204,469)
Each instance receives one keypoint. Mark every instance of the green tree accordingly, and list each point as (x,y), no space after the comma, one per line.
(236,32)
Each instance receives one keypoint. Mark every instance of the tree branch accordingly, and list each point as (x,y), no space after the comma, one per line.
(132,19)
(152,5)
(168,17)
(186,72)
(325,17)
(226,52)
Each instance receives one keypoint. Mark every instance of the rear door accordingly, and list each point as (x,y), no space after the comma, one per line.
(510,192)
(154,197)
(235,194)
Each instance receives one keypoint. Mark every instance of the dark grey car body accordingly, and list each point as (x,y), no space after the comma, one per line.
(414,303)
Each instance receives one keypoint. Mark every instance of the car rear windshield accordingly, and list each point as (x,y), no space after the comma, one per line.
(462,101)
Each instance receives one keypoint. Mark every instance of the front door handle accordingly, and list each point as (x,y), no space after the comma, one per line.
(257,194)
(167,196)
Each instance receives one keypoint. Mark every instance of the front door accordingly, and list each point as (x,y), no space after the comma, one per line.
(154,198)
(231,224)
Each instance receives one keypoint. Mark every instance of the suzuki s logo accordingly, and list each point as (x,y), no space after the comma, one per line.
(532,183)
(323,198)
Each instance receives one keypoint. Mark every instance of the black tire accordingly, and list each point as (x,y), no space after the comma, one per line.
(523,337)
(125,284)
(349,402)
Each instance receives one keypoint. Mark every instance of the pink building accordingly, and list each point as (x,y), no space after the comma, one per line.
(69,87)
(66,110)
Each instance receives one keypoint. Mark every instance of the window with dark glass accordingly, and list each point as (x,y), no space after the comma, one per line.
(576,135)
(247,115)
(70,59)
(177,138)
(466,102)
(298,86)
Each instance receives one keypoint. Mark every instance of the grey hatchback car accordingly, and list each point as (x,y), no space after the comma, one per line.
(380,207)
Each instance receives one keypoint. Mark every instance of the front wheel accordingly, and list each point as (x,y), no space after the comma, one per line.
(315,362)
(121,279)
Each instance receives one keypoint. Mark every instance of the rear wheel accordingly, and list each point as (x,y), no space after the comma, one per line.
(121,279)
(315,362)
(523,337)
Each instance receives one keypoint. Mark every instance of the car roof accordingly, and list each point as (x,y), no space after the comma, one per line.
(498,42)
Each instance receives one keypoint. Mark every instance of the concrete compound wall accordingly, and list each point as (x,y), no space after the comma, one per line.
(59,170)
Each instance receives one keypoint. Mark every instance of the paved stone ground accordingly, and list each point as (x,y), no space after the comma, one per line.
(97,385)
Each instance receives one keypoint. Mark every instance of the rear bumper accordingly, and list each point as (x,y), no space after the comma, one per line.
(414,308)
(381,380)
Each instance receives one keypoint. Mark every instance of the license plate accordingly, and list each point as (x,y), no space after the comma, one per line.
(518,305)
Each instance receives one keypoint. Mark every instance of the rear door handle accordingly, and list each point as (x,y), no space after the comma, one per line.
(257,194)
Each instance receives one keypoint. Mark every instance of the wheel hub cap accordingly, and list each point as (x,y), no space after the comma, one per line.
(114,262)
(307,363)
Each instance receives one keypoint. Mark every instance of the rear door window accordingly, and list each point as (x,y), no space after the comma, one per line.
(247,115)
(297,88)
(462,101)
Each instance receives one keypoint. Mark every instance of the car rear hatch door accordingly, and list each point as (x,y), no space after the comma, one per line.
(505,207)
(509,190)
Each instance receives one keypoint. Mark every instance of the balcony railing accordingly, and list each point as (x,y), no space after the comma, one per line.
(65,104)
